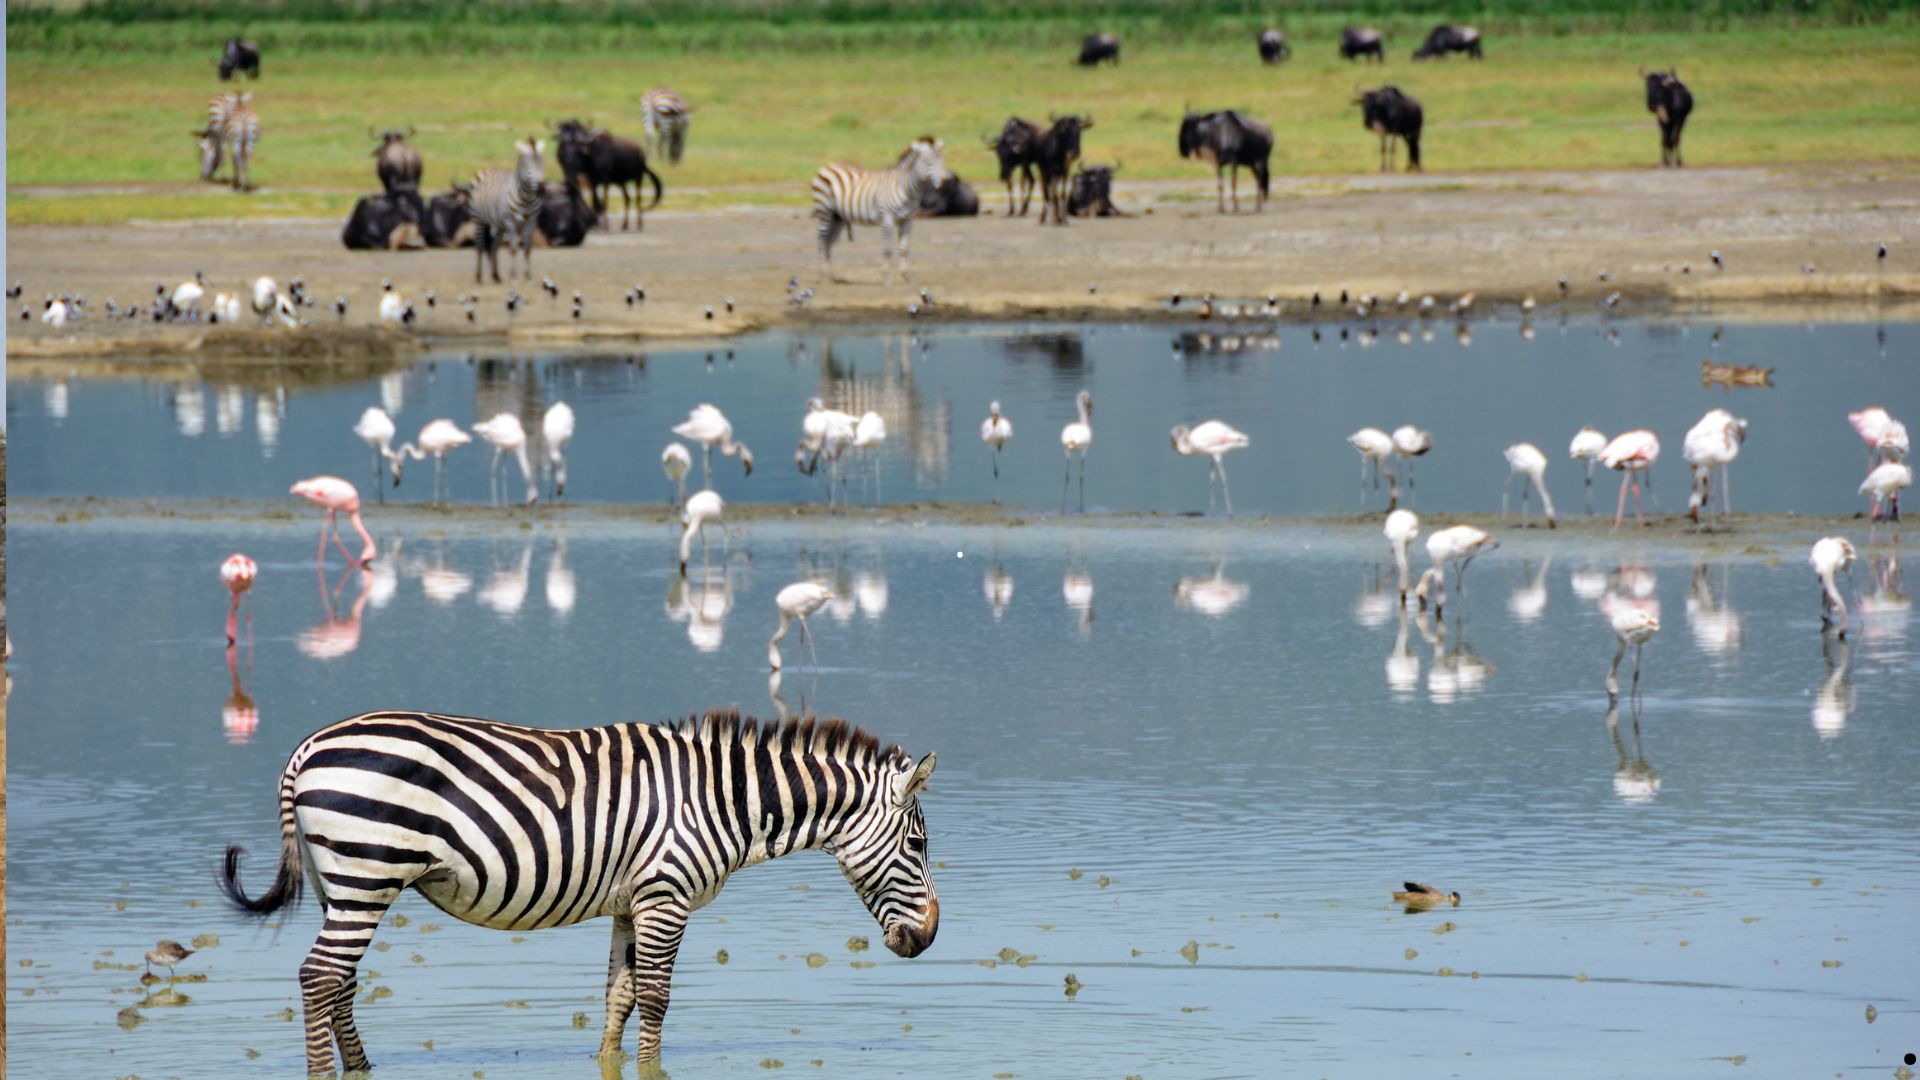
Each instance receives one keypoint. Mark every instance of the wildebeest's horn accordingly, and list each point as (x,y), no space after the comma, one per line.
(1087,122)
(371,135)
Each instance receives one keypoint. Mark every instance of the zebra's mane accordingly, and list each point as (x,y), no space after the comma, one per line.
(833,736)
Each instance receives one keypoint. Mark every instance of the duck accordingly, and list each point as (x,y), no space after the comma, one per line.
(1419,895)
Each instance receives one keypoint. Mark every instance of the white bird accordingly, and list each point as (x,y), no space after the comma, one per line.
(556,430)
(868,434)
(284,311)
(226,308)
(815,425)
(1586,446)
(1631,454)
(1714,441)
(1215,440)
(1075,438)
(995,430)
(1831,555)
(1376,447)
(709,427)
(677,463)
(504,433)
(188,294)
(1632,625)
(1401,528)
(375,428)
(1410,442)
(1885,483)
(265,293)
(1077,590)
(393,308)
(797,601)
(56,314)
(998,587)
(1871,424)
(704,507)
(1526,459)
(436,438)
(1460,544)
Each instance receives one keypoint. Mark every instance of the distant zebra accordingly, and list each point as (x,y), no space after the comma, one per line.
(666,117)
(519,828)
(846,195)
(502,203)
(232,125)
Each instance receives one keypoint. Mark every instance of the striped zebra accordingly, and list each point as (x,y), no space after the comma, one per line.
(846,195)
(520,828)
(504,203)
(232,125)
(666,116)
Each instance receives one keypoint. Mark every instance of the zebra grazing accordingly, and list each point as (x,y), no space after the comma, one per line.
(520,828)
(846,195)
(503,203)
(232,124)
(666,118)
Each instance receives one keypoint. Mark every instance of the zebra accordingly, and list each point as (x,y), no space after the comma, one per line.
(845,195)
(232,124)
(666,117)
(522,828)
(503,203)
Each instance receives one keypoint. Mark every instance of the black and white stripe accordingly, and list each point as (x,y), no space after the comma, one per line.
(519,828)
(503,204)
(666,118)
(846,195)
(232,124)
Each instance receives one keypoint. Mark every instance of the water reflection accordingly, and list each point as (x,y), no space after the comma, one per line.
(1885,608)
(239,717)
(336,635)
(1715,624)
(1403,664)
(442,583)
(702,600)
(1456,668)
(1528,602)
(1833,700)
(1077,591)
(561,590)
(1213,595)
(997,585)
(506,592)
(1379,598)
(1634,781)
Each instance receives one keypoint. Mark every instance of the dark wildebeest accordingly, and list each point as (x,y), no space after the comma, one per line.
(1390,114)
(1056,153)
(1015,147)
(953,198)
(447,223)
(1669,100)
(1362,41)
(1446,39)
(564,218)
(601,160)
(240,55)
(1273,46)
(396,160)
(1098,47)
(1228,140)
(391,222)
(1093,192)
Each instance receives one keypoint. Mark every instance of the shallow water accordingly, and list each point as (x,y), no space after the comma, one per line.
(1296,397)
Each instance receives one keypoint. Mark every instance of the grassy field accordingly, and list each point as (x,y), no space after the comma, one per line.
(105,106)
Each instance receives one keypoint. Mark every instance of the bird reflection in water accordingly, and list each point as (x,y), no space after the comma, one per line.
(1456,669)
(1077,591)
(1634,781)
(702,600)
(1379,598)
(997,585)
(1885,608)
(239,716)
(1403,664)
(1528,602)
(1715,624)
(561,590)
(870,590)
(1833,700)
(506,592)
(1213,595)
(336,635)
(1588,583)
(442,583)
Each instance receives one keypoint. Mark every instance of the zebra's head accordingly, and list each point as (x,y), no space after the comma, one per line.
(883,851)
(924,160)
(531,169)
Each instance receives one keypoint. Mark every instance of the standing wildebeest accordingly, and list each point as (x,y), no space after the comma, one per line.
(397,162)
(1093,192)
(1446,39)
(1362,41)
(239,55)
(603,160)
(1669,100)
(1273,46)
(1015,147)
(1098,47)
(447,222)
(1228,140)
(1389,113)
(391,222)
(953,197)
(1059,148)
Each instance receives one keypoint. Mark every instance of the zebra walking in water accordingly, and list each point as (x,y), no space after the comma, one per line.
(232,126)
(666,118)
(503,203)
(519,828)
(846,195)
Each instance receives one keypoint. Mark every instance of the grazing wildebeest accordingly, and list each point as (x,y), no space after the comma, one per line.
(1228,140)
(1273,46)
(564,218)
(447,223)
(396,160)
(1098,47)
(239,55)
(953,197)
(391,222)
(1015,147)
(1669,100)
(602,160)
(1056,153)
(1390,114)
(1093,192)
(1447,38)
(1364,41)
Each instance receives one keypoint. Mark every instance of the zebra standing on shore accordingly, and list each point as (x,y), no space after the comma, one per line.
(846,195)
(666,118)
(519,828)
(503,203)
(232,124)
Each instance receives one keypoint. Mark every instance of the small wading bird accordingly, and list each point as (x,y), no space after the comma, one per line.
(1632,625)
(375,428)
(1075,438)
(1884,484)
(704,507)
(1526,460)
(709,427)
(1375,447)
(336,496)
(1460,544)
(797,601)
(677,463)
(995,430)
(1419,897)
(1213,439)
(436,438)
(504,433)
(1409,443)
(1401,528)
(1714,441)
(1831,555)
(1632,455)
(167,954)
(556,430)
(237,573)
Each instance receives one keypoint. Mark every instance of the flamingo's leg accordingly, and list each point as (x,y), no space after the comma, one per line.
(1620,511)
(1225,491)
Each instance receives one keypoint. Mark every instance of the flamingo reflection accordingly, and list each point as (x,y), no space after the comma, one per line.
(1403,664)
(1715,624)
(1833,701)
(239,717)
(561,590)
(1077,591)
(1634,781)
(1885,609)
(1456,669)
(506,592)
(442,583)
(1213,595)
(336,635)
(1528,602)
(997,585)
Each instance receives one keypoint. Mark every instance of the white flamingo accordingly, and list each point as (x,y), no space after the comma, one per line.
(1884,483)
(1376,448)
(1632,455)
(1401,528)
(1075,438)
(556,430)
(1527,460)
(436,438)
(1714,441)
(703,508)
(1460,544)
(710,427)
(1632,625)
(1587,444)
(677,463)
(995,430)
(375,428)
(505,434)
(796,602)
(1215,440)
(1409,443)
(1831,555)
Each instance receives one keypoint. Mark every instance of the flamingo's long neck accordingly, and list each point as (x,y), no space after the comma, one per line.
(1833,594)
(368,552)
(1546,497)
(1081,406)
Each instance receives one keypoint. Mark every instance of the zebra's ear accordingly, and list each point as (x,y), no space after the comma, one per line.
(914,782)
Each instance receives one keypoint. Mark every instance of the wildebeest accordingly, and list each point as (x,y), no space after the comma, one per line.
(1098,47)
(1364,41)
(1228,140)
(447,223)
(1092,194)
(1015,146)
(1447,38)
(1056,153)
(1273,46)
(602,160)
(1669,100)
(396,161)
(1390,113)
(564,218)
(391,222)
(239,55)
(953,197)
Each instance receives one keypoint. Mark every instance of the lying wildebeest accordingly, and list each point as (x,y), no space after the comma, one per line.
(1273,46)
(1092,194)
(447,223)
(396,161)
(1447,38)
(1390,114)
(601,159)
(391,222)
(564,218)
(1362,41)
(1669,100)
(1059,148)
(1098,47)
(1015,147)
(1228,140)
(239,55)
(954,197)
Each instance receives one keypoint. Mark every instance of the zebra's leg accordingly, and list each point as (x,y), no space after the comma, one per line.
(829,230)
(327,981)
(906,231)
(659,924)
(889,229)
(526,246)
(621,983)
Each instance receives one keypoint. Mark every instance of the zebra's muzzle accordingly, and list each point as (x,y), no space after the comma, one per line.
(909,940)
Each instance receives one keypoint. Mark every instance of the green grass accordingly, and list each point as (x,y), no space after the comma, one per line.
(82,110)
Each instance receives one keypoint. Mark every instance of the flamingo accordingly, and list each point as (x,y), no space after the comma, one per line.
(1885,482)
(436,438)
(709,427)
(1402,526)
(265,294)
(1526,459)
(1410,442)
(1831,555)
(1871,424)
(677,463)
(556,430)
(995,430)
(1632,625)
(1215,440)
(336,496)
(188,294)
(1375,447)
(375,428)
(814,429)
(1076,437)
(237,573)
(705,506)
(867,437)
(504,432)
(1631,454)
(1460,544)
(1715,440)
(797,601)
(1587,444)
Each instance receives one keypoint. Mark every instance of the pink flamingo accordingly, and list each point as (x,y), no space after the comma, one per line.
(335,496)
(238,573)
(1631,455)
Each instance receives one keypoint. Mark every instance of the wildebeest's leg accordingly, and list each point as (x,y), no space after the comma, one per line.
(327,982)
(1026,188)
(1677,128)
(1220,185)
(622,981)
(659,924)
(1233,172)
(626,205)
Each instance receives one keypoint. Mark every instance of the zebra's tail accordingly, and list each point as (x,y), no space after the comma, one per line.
(287,879)
(655,177)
